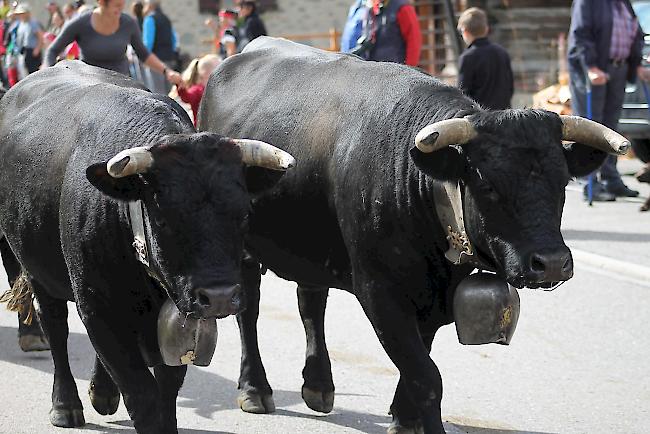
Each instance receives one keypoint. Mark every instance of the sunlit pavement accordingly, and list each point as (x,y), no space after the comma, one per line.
(578,362)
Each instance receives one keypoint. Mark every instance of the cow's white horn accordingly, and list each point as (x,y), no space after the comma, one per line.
(590,133)
(258,153)
(130,162)
(438,135)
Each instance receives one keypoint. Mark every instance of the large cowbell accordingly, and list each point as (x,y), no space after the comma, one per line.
(184,340)
(486,310)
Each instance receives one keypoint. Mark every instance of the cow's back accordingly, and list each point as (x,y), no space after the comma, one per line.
(349,123)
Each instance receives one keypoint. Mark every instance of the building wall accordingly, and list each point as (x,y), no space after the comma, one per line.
(291,17)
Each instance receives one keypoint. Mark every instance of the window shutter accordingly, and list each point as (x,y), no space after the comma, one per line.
(267,5)
(209,7)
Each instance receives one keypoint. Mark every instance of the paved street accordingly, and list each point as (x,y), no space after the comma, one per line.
(578,362)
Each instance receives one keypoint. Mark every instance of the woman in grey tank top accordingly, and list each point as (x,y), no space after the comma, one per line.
(103,36)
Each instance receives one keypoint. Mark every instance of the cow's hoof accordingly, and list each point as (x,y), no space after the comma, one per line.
(251,402)
(30,343)
(396,427)
(317,400)
(67,418)
(104,405)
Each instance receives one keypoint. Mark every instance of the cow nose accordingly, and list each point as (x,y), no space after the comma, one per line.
(551,265)
(219,301)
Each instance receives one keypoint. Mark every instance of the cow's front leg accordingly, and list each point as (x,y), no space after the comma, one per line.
(406,416)
(67,411)
(318,388)
(397,330)
(255,394)
(117,347)
(104,395)
(170,379)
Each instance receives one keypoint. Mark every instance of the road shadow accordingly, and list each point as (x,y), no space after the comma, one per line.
(208,393)
(576,234)
(129,424)
(455,428)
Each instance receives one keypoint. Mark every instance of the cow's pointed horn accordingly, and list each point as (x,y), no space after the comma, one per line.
(590,133)
(257,153)
(130,162)
(438,135)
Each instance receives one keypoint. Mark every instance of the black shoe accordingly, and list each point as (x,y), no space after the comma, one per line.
(600,196)
(621,191)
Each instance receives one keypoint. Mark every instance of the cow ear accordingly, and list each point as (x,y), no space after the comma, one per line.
(127,189)
(582,159)
(444,165)
(259,179)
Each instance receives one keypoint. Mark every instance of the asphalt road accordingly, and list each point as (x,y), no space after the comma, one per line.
(578,362)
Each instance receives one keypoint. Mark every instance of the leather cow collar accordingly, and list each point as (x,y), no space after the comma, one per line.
(449,206)
(140,244)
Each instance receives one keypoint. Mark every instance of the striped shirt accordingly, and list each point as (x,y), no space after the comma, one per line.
(624,28)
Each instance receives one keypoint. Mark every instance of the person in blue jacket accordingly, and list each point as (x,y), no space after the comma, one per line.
(605,44)
(159,37)
(353,28)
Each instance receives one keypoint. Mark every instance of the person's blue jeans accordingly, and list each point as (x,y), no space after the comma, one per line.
(606,106)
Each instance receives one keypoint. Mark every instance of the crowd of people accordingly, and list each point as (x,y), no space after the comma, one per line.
(605,53)
(143,44)
(377,30)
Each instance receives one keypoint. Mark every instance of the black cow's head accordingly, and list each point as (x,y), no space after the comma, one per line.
(513,167)
(196,204)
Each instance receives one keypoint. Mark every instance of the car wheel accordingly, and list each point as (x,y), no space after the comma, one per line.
(641,149)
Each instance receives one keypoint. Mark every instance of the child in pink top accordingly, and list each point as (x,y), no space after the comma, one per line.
(196,77)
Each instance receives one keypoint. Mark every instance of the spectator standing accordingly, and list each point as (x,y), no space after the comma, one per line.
(196,78)
(12,54)
(29,38)
(227,33)
(137,10)
(52,8)
(353,29)
(391,32)
(484,70)
(5,7)
(68,11)
(4,25)
(605,43)
(103,35)
(159,38)
(55,28)
(251,25)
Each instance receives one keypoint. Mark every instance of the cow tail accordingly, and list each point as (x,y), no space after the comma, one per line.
(20,298)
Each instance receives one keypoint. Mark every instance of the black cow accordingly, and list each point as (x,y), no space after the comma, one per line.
(359,212)
(77,145)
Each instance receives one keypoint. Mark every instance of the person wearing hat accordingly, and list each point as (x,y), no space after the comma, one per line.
(29,37)
(227,33)
(103,35)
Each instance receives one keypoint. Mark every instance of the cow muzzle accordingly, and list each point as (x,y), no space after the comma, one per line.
(548,266)
(218,301)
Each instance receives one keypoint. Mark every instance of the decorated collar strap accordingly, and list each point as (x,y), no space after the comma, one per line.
(140,245)
(449,207)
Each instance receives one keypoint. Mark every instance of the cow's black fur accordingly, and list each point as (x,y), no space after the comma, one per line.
(359,210)
(59,212)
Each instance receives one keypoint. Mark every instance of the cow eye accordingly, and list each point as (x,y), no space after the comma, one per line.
(489,192)
(160,221)
(244,223)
